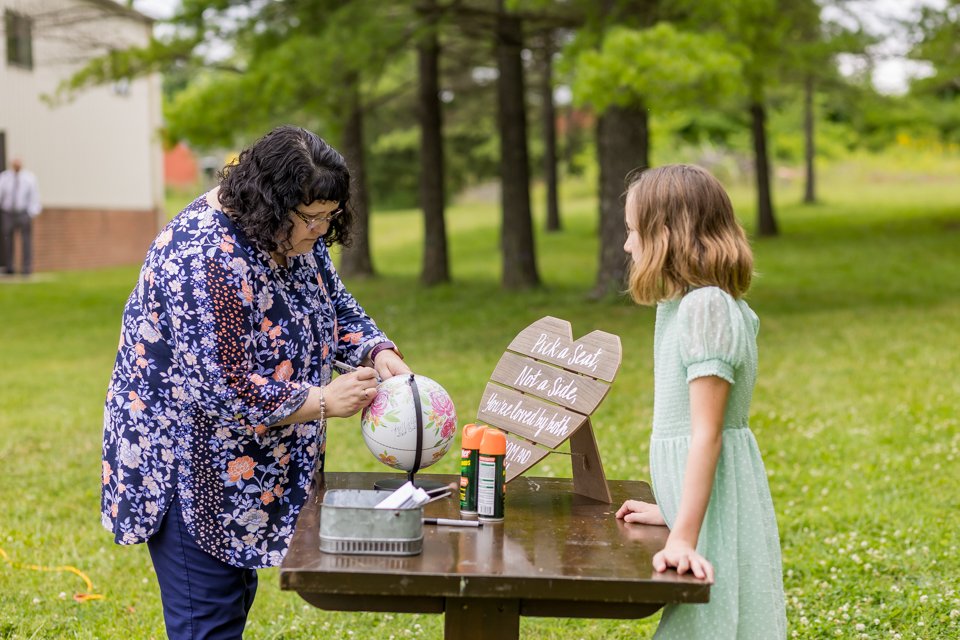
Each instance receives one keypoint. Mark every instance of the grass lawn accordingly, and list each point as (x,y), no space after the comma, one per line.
(855,410)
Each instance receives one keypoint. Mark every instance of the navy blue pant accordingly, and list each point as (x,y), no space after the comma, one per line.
(203,598)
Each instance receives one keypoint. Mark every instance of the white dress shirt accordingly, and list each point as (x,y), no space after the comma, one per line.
(19,192)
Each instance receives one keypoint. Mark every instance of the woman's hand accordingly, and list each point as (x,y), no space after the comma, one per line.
(641,512)
(389,364)
(350,392)
(684,557)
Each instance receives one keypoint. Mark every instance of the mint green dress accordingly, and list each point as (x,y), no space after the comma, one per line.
(709,333)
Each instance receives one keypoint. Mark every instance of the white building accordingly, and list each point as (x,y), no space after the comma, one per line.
(97,157)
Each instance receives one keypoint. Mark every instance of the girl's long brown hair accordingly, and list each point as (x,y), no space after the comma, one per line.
(688,235)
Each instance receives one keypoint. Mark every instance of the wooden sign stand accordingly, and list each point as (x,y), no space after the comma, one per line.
(542,393)
(588,477)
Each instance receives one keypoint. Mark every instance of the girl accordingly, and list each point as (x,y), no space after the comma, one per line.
(691,258)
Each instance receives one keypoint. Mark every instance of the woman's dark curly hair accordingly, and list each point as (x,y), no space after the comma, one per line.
(284,169)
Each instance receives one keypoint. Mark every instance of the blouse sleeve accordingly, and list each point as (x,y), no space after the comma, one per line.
(210,304)
(710,334)
(357,333)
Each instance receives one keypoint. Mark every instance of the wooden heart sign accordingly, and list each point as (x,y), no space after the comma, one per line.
(542,393)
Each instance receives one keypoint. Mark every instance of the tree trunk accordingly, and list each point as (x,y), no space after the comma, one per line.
(572,136)
(623,144)
(435,261)
(355,260)
(516,233)
(549,115)
(766,222)
(809,193)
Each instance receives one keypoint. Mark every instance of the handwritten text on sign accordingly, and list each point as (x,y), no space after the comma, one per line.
(552,347)
(559,389)
(542,393)
(596,354)
(527,416)
(521,455)
(572,390)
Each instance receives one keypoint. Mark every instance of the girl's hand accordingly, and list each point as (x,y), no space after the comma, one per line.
(349,393)
(641,513)
(389,364)
(685,558)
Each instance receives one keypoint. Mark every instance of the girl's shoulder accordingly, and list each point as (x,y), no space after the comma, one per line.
(711,299)
(713,304)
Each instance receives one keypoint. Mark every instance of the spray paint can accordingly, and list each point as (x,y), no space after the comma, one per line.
(491,475)
(469,455)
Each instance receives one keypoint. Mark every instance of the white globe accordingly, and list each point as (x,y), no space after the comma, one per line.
(389,423)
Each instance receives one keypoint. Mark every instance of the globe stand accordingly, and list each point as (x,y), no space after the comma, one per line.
(392,484)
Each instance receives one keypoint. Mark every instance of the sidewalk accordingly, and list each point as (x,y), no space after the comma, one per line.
(16,278)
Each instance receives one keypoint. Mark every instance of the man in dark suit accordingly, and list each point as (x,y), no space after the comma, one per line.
(19,205)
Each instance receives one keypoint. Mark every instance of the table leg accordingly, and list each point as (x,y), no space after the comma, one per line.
(481,619)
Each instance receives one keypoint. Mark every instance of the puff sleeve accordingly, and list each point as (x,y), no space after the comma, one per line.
(711,334)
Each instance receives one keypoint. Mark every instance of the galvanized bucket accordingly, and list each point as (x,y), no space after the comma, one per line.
(350,524)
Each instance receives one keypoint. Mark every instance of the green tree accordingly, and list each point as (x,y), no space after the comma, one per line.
(762,33)
(548,119)
(255,65)
(436,263)
(759,29)
(937,34)
(813,44)
(516,232)
(631,72)
(507,24)
(622,140)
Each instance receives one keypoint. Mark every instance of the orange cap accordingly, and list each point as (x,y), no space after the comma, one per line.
(494,442)
(472,434)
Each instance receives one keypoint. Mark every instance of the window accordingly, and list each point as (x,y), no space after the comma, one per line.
(19,29)
(121,87)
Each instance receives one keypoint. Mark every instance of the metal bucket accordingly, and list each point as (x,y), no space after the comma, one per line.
(350,524)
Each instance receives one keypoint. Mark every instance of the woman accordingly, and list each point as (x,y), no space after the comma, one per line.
(215,415)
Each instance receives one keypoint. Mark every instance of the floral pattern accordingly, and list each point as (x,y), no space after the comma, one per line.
(443,415)
(389,423)
(376,410)
(218,343)
(388,459)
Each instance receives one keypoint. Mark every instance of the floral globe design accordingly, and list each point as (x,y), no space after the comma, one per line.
(389,423)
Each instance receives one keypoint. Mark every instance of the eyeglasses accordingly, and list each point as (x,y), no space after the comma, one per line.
(314,221)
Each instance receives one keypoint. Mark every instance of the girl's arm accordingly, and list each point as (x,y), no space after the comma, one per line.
(708,401)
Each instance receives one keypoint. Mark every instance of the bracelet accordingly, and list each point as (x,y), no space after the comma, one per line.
(383,346)
(323,407)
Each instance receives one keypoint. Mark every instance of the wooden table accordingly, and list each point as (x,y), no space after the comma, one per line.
(556,554)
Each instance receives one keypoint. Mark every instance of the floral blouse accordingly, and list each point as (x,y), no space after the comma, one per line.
(217,343)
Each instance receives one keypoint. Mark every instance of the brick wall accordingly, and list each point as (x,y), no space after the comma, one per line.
(76,239)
